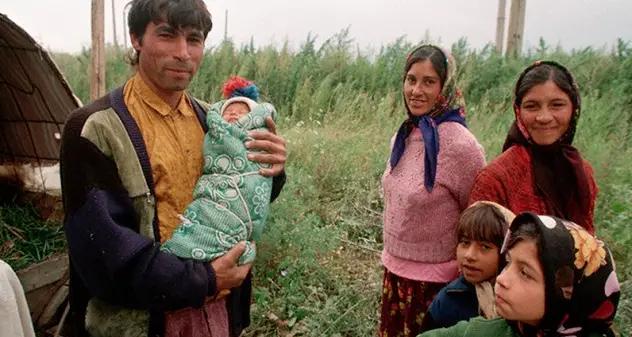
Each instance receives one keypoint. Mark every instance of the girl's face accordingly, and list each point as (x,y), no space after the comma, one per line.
(422,87)
(546,112)
(520,286)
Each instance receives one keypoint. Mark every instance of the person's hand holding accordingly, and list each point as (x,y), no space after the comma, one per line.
(227,273)
(274,147)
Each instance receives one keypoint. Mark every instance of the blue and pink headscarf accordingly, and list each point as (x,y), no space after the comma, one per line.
(450,107)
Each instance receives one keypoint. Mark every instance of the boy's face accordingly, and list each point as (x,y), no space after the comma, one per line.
(235,111)
(520,286)
(478,260)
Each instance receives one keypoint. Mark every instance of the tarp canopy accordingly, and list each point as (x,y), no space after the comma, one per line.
(35,99)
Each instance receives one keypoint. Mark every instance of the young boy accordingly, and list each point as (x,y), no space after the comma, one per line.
(480,234)
(559,280)
(231,199)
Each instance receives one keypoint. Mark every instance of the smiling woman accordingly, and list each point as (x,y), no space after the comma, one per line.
(539,169)
(426,186)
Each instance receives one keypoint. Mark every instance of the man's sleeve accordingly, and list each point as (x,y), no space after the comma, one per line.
(117,264)
(277,185)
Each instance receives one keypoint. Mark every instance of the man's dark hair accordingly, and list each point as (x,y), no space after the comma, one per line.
(177,13)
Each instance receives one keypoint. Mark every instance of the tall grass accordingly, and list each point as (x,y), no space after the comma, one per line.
(318,272)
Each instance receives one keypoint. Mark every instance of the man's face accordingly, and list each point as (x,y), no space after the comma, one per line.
(169,57)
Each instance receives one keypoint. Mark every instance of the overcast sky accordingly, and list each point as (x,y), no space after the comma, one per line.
(64,25)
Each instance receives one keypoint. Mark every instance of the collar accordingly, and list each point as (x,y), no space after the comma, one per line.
(149,97)
(459,285)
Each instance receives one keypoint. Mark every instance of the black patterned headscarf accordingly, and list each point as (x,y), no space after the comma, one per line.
(581,287)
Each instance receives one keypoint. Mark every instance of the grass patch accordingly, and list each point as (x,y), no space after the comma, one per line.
(26,238)
(318,271)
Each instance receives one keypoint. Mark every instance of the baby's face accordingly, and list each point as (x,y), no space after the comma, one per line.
(235,111)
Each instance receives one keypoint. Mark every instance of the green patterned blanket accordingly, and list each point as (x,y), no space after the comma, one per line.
(231,199)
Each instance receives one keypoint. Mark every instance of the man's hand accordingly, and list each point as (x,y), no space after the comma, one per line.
(272,144)
(227,273)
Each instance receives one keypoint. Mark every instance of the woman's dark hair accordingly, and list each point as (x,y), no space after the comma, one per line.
(542,73)
(436,57)
(177,13)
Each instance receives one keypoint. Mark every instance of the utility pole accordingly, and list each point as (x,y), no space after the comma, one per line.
(116,45)
(226,25)
(500,25)
(97,69)
(516,27)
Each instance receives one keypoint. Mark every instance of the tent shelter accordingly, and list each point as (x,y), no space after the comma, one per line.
(35,100)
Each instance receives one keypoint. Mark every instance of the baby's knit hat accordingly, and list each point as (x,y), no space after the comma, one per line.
(238,89)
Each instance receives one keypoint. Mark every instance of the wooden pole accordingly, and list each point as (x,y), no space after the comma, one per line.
(97,69)
(226,25)
(511,30)
(516,27)
(500,25)
(116,45)
(522,9)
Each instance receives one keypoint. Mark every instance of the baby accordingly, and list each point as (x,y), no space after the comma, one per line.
(231,199)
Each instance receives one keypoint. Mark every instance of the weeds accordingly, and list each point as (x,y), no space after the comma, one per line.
(318,272)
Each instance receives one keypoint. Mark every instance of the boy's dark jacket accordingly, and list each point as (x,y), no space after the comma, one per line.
(456,302)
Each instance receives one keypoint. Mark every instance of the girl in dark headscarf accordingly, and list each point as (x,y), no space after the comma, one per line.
(559,281)
(539,169)
(426,185)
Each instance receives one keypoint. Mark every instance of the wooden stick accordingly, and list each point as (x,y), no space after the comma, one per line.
(63,320)
(97,70)
(14,232)
(500,25)
(516,27)
(116,45)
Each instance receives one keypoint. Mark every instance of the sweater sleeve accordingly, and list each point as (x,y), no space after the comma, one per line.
(113,260)
(487,187)
(467,160)
(277,185)
(458,330)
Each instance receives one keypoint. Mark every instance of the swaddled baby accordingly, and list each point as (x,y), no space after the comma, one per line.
(231,199)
